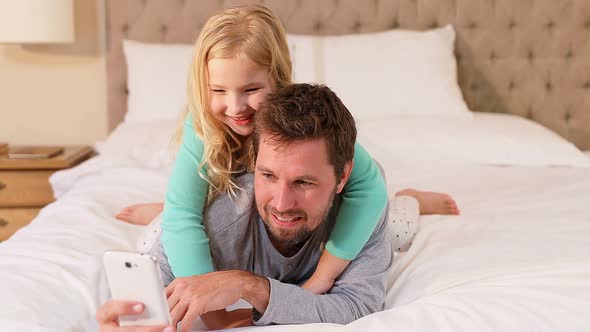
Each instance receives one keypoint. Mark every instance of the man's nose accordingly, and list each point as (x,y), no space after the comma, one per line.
(284,198)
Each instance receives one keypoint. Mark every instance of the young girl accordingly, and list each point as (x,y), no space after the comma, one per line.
(241,55)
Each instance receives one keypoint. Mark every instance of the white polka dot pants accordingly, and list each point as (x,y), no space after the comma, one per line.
(150,235)
(404,214)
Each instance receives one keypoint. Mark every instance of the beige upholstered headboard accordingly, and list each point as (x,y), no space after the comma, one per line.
(525,57)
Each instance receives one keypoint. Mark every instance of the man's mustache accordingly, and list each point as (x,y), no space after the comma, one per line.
(287,214)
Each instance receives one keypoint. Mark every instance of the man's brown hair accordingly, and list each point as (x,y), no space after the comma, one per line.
(307,111)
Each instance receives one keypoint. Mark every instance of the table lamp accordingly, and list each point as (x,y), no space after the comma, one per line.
(36,21)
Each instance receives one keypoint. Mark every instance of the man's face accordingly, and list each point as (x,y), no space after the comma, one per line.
(294,187)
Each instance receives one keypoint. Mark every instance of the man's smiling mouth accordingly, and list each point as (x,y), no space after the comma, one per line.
(288,220)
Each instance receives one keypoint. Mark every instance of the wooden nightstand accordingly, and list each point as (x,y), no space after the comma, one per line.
(25,189)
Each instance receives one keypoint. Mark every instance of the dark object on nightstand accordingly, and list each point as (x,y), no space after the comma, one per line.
(34,152)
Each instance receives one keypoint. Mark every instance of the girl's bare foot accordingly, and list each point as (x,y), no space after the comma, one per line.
(140,214)
(431,202)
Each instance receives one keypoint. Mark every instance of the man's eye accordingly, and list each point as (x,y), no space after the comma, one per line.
(267,175)
(304,183)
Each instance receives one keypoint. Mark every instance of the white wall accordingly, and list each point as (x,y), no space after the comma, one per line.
(56,94)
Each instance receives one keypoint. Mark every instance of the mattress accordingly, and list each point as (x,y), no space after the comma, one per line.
(515,259)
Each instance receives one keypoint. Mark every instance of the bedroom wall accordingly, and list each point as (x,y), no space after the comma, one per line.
(56,94)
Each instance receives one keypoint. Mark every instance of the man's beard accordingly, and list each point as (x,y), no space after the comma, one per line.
(286,239)
(291,240)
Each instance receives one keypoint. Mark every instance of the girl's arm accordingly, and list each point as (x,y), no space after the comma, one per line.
(363,202)
(183,234)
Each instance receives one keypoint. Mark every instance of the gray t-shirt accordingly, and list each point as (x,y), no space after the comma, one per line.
(239,241)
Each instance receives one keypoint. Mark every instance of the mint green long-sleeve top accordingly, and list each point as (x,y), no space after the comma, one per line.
(183,234)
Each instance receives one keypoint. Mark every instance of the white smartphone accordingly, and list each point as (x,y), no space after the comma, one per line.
(134,276)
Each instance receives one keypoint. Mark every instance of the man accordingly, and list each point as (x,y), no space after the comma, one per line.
(269,239)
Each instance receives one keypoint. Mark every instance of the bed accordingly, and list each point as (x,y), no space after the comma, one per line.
(503,137)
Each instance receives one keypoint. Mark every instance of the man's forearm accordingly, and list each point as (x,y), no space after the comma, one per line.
(256,290)
(290,304)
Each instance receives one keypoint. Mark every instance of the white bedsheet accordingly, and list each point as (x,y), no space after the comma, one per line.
(51,271)
(516,259)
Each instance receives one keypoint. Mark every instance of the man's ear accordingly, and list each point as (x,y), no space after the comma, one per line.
(345,175)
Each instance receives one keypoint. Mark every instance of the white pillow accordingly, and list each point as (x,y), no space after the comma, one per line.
(397,71)
(303,58)
(391,72)
(149,143)
(491,139)
(157,77)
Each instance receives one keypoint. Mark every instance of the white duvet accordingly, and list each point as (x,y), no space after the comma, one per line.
(516,259)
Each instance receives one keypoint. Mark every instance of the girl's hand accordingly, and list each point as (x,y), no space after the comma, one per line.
(318,285)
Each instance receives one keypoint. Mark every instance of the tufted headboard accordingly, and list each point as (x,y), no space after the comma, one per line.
(525,57)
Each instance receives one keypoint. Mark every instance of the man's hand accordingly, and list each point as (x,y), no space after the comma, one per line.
(190,297)
(108,314)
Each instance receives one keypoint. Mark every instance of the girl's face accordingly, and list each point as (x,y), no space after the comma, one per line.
(237,87)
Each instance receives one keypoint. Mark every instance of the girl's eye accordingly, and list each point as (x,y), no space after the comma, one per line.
(252,90)
(218,90)
(267,175)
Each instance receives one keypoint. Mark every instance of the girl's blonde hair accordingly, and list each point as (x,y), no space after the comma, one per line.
(251,32)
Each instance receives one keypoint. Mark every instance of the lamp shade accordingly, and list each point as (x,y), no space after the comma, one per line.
(36,21)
